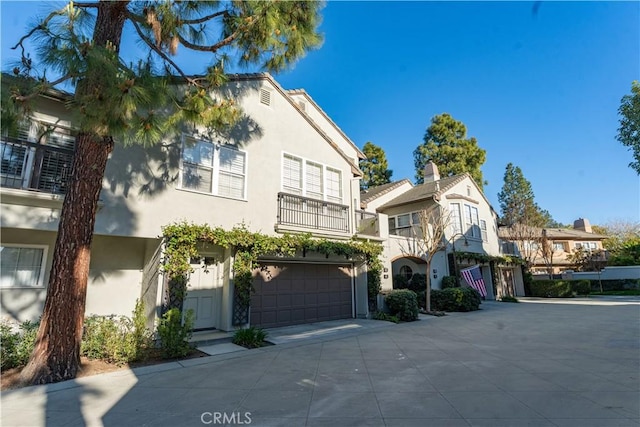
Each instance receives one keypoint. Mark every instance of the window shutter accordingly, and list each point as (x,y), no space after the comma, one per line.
(20,267)
(314,180)
(231,180)
(292,174)
(334,185)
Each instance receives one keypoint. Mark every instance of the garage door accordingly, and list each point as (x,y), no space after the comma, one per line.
(292,294)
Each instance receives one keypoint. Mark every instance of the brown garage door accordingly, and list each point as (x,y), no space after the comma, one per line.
(291,294)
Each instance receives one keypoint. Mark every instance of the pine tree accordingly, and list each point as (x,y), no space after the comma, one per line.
(115,101)
(517,204)
(375,168)
(447,145)
(629,130)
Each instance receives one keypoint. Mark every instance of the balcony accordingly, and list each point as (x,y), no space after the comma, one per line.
(313,214)
(36,167)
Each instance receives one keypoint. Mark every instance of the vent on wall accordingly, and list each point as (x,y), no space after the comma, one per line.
(302,105)
(265,97)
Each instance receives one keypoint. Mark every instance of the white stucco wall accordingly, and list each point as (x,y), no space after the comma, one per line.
(608,273)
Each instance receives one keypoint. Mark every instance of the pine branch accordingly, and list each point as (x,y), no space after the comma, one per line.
(43,89)
(204,18)
(224,42)
(159,51)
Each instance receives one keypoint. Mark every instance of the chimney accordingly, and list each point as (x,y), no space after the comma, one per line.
(582,224)
(431,173)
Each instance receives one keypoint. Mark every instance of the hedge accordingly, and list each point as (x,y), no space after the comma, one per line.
(559,288)
(455,299)
(615,284)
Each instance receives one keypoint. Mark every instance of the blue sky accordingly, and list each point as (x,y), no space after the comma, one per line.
(537,86)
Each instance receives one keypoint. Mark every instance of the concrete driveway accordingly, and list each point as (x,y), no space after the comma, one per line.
(537,363)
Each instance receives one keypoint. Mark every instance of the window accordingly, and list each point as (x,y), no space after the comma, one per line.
(232,173)
(472,221)
(456,218)
(22,266)
(292,174)
(587,246)
(406,272)
(483,230)
(557,246)
(407,225)
(213,169)
(311,179)
(334,185)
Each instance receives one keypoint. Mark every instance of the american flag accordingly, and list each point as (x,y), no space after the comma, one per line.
(473,277)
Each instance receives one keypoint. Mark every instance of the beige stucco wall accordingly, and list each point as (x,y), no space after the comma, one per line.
(137,199)
(373,205)
(114,277)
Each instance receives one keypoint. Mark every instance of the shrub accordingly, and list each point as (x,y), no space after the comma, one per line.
(615,284)
(381,315)
(251,337)
(174,335)
(560,288)
(508,298)
(400,282)
(551,288)
(117,339)
(373,287)
(403,303)
(449,282)
(455,299)
(16,346)
(418,283)
(581,287)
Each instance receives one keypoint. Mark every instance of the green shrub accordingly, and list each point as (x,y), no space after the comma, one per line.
(117,340)
(174,335)
(16,346)
(381,315)
(449,282)
(551,288)
(373,288)
(418,283)
(403,303)
(400,282)
(251,337)
(527,280)
(508,298)
(615,284)
(455,299)
(581,287)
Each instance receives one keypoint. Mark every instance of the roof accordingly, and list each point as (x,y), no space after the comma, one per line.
(373,193)
(426,191)
(559,234)
(304,93)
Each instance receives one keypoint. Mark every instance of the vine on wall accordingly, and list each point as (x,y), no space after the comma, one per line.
(182,239)
(485,259)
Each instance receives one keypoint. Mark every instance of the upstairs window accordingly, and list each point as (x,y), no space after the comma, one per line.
(213,169)
(311,179)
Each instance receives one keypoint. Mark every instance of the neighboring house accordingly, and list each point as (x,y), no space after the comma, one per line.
(561,244)
(472,227)
(284,168)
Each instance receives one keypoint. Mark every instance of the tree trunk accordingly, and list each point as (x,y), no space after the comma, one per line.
(56,356)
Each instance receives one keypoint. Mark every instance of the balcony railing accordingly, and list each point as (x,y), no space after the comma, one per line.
(313,214)
(31,166)
(363,218)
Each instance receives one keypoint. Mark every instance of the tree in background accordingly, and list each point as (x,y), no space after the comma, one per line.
(80,46)
(622,242)
(517,201)
(375,168)
(447,145)
(629,130)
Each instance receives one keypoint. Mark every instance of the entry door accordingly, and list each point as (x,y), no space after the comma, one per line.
(204,292)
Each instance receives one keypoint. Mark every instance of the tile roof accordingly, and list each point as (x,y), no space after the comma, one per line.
(373,193)
(425,191)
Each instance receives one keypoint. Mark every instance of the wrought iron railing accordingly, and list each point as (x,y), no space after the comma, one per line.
(31,166)
(311,213)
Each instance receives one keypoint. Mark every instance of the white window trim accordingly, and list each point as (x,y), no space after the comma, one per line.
(325,168)
(215,170)
(467,229)
(45,250)
(412,224)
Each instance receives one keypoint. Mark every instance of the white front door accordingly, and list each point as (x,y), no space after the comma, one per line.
(204,292)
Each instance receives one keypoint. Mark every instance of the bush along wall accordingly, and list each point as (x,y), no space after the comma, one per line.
(455,299)
(559,288)
(181,244)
